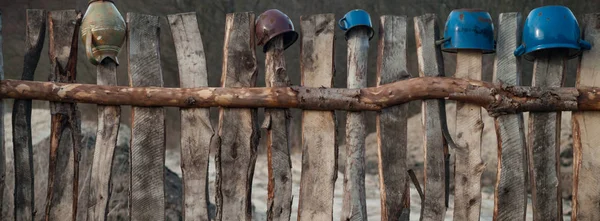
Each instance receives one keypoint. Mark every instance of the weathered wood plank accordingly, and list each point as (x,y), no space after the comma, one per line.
(543,141)
(431,64)
(586,127)
(469,128)
(147,200)
(319,147)
(35,34)
(2,153)
(510,202)
(277,123)
(196,129)
(106,142)
(355,205)
(65,135)
(238,129)
(392,124)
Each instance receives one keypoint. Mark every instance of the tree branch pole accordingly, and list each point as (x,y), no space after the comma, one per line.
(498,99)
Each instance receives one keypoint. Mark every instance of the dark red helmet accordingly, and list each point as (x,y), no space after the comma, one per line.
(272,23)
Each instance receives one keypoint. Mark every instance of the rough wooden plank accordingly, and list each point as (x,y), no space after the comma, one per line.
(586,127)
(238,129)
(147,200)
(65,135)
(469,128)
(319,147)
(196,129)
(277,123)
(431,64)
(2,152)
(543,141)
(510,202)
(392,124)
(355,205)
(35,34)
(106,141)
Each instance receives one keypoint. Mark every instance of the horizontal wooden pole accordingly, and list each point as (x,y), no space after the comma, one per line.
(497,99)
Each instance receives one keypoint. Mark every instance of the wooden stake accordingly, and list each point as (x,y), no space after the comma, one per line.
(543,141)
(35,35)
(238,129)
(277,123)
(355,205)
(392,122)
(106,142)
(65,133)
(147,154)
(431,64)
(510,201)
(319,147)
(2,153)
(586,127)
(196,129)
(469,128)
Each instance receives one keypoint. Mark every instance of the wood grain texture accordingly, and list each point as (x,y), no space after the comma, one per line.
(355,205)
(392,132)
(2,152)
(196,129)
(586,127)
(431,64)
(277,123)
(147,196)
(319,147)
(543,141)
(104,150)
(35,34)
(469,128)
(510,201)
(65,133)
(238,128)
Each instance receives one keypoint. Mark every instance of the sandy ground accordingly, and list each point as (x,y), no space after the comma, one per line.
(40,126)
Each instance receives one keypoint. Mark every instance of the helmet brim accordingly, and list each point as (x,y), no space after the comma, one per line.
(537,51)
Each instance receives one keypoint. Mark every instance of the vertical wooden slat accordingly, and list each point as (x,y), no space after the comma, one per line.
(35,34)
(469,128)
(238,129)
(510,202)
(196,129)
(586,127)
(147,155)
(431,65)
(543,141)
(2,153)
(392,122)
(354,205)
(106,142)
(319,148)
(65,133)
(277,123)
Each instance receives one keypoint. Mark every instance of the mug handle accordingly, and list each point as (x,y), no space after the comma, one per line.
(88,47)
(342,24)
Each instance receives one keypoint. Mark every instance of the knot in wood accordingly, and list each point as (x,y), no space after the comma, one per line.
(190,101)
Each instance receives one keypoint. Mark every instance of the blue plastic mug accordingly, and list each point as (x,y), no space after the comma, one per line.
(356,18)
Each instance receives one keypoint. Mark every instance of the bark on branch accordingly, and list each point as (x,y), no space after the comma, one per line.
(498,99)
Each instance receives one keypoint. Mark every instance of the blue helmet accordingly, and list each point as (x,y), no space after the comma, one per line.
(551,27)
(356,18)
(469,29)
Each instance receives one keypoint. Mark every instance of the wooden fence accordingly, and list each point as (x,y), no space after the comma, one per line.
(237,134)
